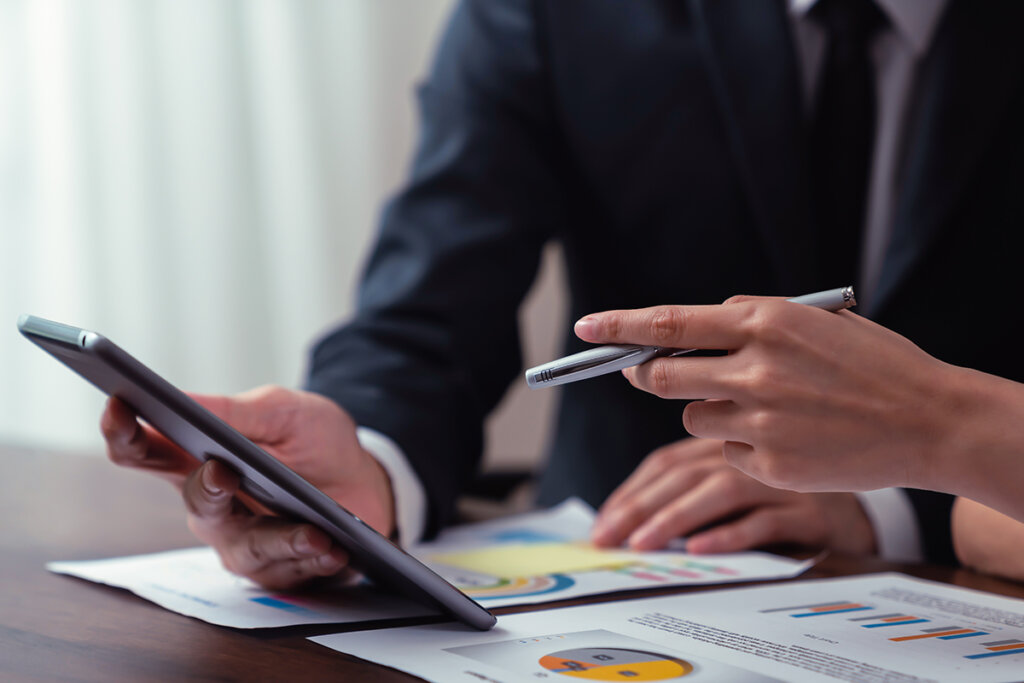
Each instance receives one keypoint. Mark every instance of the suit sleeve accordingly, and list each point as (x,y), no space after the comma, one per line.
(435,342)
(934,511)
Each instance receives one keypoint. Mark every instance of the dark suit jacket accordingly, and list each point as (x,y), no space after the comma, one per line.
(662,142)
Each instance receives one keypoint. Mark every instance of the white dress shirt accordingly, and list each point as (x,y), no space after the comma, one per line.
(896,51)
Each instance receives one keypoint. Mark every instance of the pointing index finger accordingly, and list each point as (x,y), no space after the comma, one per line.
(683,327)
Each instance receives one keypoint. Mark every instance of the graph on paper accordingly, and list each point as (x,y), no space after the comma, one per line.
(907,628)
(545,556)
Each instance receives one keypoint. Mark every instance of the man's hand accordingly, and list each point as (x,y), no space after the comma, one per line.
(687,488)
(306,432)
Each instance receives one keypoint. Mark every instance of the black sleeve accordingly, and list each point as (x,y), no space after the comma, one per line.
(435,342)
(933,510)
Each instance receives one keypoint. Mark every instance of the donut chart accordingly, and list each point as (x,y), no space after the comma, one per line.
(615,664)
(520,587)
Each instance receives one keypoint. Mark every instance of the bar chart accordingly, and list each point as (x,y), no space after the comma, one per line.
(895,624)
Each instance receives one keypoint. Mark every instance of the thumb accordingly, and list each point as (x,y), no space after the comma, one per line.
(261,414)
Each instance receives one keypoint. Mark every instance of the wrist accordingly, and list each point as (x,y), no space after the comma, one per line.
(371,497)
(978,436)
(851,529)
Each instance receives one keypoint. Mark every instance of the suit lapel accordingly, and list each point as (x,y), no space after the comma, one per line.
(753,70)
(963,89)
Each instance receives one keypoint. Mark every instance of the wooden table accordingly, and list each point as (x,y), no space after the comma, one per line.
(53,627)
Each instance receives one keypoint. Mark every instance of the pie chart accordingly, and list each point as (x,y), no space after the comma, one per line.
(615,664)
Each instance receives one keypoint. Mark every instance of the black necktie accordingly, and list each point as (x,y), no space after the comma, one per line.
(843,133)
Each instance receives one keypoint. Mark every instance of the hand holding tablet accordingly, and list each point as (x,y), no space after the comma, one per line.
(203,436)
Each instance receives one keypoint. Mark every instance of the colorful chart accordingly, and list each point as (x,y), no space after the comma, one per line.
(999,648)
(526,536)
(615,664)
(886,620)
(520,587)
(673,571)
(820,609)
(993,648)
(283,602)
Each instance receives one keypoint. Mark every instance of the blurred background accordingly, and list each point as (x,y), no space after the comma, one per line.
(200,180)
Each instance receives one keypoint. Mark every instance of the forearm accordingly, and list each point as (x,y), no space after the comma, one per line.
(979,453)
(987,540)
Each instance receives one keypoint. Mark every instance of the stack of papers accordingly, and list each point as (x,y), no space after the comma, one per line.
(882,628)
(526,559)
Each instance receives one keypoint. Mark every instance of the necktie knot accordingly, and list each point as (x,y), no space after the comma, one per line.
(848,20)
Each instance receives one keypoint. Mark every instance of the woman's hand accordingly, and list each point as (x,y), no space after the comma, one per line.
(806,399)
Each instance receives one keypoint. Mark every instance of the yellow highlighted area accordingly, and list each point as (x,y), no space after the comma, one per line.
(531,559)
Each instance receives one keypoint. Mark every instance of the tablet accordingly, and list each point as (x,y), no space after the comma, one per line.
(204,436)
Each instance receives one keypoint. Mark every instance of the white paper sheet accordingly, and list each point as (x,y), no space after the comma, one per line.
(872,629)
(571,521)
(193,582)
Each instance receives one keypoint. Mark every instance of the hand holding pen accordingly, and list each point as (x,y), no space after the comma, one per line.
(805,399)
(602,360)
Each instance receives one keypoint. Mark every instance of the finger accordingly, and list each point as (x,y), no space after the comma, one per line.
(746,298)
(268,540)
(209,495)
(686,378)
(289,574)
(763,526)
(131,444)
(696,455)
(719,496)
(715,419)
(741,456)
(653,467)
(622,520)
(684,327)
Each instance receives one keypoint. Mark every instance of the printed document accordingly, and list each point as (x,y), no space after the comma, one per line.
(880,628)
(526,559)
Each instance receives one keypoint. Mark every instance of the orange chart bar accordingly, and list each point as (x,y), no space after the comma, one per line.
(999,648)
(938,634)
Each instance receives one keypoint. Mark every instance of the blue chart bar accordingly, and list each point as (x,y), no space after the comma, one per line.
(964,635)
(896,623)
(985,655)
(835,611)
(280,604)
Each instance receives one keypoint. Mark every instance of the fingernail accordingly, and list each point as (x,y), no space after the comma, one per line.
(302,543)
(209,485)
(702,545)
(642,540)
(587,327)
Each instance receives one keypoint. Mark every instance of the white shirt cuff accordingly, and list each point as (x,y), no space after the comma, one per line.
(407,491)
(895,524)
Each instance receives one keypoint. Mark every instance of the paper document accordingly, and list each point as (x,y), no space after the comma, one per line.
(880,628)
(193,582)
(545,556)
(485,560)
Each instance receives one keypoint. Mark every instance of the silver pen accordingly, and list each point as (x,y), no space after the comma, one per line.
(602,360)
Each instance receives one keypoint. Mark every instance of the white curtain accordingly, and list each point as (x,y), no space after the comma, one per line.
(197,179)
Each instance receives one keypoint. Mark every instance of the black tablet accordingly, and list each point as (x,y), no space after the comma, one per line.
(204,436)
